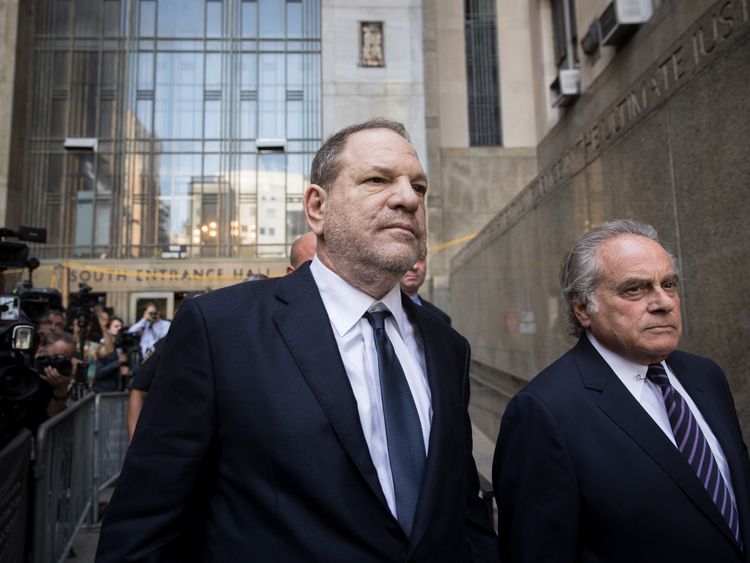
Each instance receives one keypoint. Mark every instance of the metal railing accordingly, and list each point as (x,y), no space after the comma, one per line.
(15,497)
(110,443)
(78,453)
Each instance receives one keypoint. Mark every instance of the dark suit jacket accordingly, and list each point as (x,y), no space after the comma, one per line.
(582,473)
(435,310)
(250,447)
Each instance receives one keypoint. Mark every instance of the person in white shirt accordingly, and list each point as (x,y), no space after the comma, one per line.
(151,328)
(625,449)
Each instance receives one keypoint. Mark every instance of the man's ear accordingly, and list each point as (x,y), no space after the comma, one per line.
(581,312)
(315,199)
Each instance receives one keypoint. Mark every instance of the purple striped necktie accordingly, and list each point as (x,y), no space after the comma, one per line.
(693,444)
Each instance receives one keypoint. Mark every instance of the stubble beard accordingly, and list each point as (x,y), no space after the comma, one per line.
(368,257)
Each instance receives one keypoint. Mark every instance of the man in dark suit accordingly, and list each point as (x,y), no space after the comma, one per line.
(265,437)
(413,280)
(625,449)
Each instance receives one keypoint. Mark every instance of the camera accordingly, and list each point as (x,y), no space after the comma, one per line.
(84,298)
(127,341)
(61,362)
(18,381)
(36,302)
(16,254)
(81,312)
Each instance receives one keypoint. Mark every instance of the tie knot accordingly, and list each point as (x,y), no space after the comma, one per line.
(377,318)
(657,375)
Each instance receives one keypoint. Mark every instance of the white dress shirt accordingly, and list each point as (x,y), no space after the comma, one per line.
(649,396)
(345,306)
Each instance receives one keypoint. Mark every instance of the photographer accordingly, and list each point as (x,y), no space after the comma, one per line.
(56,363)
(53,319)
(111,362)
(151,328)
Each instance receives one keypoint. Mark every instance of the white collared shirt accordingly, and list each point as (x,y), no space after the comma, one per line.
(345,306)
(649,396)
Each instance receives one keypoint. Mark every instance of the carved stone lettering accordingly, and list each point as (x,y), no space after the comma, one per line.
(705,41)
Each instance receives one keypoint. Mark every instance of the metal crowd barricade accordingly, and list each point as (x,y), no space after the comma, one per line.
(64,472)
(110,442)
(74,462)
(15,497)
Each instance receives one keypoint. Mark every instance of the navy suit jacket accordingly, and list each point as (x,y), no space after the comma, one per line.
(435,310)
(582,473)
(250,446)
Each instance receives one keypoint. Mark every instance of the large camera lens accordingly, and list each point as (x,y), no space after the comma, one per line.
(64,366)
(17,382)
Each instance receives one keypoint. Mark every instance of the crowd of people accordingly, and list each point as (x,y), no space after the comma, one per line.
(102,355)
(72,359)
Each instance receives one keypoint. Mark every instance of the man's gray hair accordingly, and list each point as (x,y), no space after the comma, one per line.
(58,335)
(326,167)
(581,271)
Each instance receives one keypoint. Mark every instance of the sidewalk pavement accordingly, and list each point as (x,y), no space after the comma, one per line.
(84,547)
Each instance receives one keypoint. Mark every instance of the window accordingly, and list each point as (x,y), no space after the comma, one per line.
(566,36)
(177,115)
(482,69)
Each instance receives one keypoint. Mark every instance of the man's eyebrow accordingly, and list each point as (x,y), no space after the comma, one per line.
(630,282)
(635,281)
(384,171)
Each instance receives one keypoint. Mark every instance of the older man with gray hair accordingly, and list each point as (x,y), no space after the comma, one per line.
(625,449)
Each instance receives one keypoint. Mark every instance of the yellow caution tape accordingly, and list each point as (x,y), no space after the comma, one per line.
(145,274)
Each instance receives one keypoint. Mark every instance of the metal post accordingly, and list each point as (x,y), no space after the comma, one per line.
(96,461)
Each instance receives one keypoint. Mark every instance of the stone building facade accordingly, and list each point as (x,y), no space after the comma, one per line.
(658,132)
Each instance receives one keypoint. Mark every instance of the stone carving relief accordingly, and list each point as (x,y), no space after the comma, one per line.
(371,51)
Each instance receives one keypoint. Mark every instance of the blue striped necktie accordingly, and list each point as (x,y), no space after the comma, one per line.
(402,427)
(693,444)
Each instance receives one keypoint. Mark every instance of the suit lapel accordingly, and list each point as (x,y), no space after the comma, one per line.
(622,408)
(305,328)
(437,460)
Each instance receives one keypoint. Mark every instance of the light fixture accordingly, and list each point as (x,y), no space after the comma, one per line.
(85,144)
(269,144)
